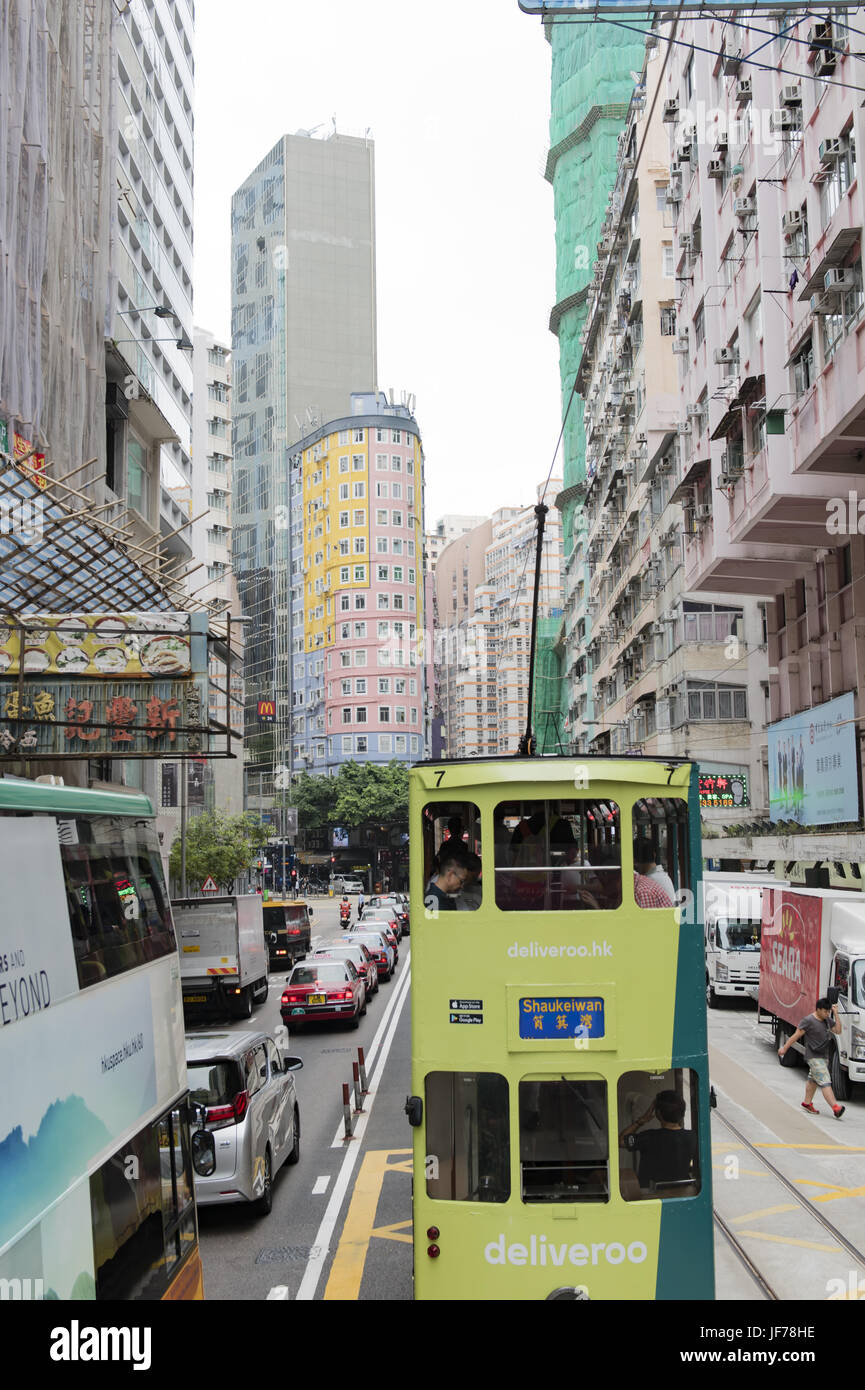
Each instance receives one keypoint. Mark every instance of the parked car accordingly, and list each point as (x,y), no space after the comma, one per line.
(348,885)
(381,948)
(360,956)
(322,990)
(394,901)
(244,1090)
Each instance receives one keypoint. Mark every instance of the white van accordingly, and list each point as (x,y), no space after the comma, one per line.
(733,911)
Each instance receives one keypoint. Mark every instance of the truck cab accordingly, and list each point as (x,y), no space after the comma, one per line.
(733,909)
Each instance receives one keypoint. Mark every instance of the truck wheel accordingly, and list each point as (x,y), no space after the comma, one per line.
(261,992)
(712,999)
(839,1077)
(791,1057)
(243,1007)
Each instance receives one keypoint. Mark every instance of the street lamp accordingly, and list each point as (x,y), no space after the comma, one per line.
(162,311)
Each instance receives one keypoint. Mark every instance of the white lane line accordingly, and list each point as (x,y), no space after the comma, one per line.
(321,1245)
(320,1186)
(370,1052)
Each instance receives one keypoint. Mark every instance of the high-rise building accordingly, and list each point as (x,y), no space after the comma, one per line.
(303,339)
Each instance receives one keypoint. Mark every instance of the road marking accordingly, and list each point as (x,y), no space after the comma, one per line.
(788,1240)
(320,1186)
(400,1230)
(765,1211)
(316,1263)
(348,1262)
(339,1141)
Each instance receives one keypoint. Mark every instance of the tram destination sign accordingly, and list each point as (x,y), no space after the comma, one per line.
(561,1016)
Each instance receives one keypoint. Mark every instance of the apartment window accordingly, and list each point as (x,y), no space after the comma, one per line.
(668,321)
(667,267)
(346,744)
(343,463)
(396,464)
(382,490)
(396,492)
(360,601)
(360,714)
(384,714)
(360,658)
(383,601)
(346,687)
(359,436)
(381,545)
(359,573)
(358,462)
(360,545)
(381,518)
(344,575)
(345,547)
(397,574)
(397,436)
(397,518)
(343,492)
(359,630)
(711,702)
(360,489)
(346,714)
(362,742)
(384,685)
(385,743)
(383,573)
(343,519)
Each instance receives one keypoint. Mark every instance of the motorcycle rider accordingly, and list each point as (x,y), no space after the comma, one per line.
(345,911)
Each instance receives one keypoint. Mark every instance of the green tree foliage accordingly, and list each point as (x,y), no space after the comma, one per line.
(315,799)
(218,847)
(361,792)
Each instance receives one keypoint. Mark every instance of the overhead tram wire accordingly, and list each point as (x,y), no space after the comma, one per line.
(701,48)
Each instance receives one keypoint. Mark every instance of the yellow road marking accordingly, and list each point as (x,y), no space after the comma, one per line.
(788,1240)
(347,1271)
(833,1148)
(766,1211)
(395,1232)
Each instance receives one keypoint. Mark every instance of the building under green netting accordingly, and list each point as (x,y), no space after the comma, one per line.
(592,83)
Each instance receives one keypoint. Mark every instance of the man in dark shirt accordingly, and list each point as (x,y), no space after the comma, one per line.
(449,879)
(667,1154)
(817,1029)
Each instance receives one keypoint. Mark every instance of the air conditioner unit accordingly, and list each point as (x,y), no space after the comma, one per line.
(694,412)
(675,168)
(629,469)
(686,152)
(665,464)
(725,354)
(689,134)
(824,64)
(671,109)
(733,465)
(792,95)
(683,427)
(703,512)
(721,141)
(681,345)
(830,151)
(820,36)
(838,281)
(744,207)
(674,191)
(716,168)
(783,119)
(642,439)
(823,304)
(732,63)
(744,90)
(628,162)
(791,225)
(657,629)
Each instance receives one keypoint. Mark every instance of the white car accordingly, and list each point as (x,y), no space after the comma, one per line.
(349,885)
(244,1090)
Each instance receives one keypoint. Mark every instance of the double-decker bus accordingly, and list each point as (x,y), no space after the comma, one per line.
(559,1054)
(96,1185)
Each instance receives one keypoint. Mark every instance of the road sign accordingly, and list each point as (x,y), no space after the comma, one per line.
(208,886)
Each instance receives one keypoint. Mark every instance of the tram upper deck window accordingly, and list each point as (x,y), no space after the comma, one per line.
(658,1140)
(661,860)
(564,1146)
(467,1136)
(452,863)
(557,856)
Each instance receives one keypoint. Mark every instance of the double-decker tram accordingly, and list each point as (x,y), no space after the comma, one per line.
(559,1056)
(96,1182)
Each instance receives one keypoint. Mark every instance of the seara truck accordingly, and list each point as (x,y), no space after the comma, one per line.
(223,956)
(813,946)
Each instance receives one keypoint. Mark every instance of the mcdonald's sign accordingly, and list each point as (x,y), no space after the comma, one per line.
(267,709)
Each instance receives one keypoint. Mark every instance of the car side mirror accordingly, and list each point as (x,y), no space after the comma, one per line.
(311,913)
(291,1063)
(204,1153)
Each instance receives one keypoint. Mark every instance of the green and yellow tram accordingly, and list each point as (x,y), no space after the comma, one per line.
(559,1057)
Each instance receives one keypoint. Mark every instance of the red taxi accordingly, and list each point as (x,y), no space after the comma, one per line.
(322,990)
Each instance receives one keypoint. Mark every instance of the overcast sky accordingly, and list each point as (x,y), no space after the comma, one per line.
(456,96)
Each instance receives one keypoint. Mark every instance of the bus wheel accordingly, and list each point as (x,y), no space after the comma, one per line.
(839,1077)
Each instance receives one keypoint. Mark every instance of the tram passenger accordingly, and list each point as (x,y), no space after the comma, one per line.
(650,894)
(645,864)
(450,873)
(666,1155)
(469,897)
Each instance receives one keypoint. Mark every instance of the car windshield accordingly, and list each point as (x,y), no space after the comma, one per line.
(213,1083)
(739,934)
(329,972)
(375,939)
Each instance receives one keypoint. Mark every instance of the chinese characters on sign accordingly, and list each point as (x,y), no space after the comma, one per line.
(562,1018)
(724,789)
(138,717)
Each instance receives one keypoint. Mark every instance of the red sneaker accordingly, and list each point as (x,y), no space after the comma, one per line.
(838,1111)
(812,1109)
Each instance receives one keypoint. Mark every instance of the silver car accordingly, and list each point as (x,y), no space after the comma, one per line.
(244,1090)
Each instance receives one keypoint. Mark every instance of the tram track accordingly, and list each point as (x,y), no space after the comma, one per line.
(813,1212)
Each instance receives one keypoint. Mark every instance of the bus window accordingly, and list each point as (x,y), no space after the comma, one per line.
(658,1140)
(564,1146)
(452,826)
(118,912)
(467,1137)
(127,1221)
(557,856)
(661,861)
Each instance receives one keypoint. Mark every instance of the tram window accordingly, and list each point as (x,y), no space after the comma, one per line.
(658,1139)
(557,856)
(661,858)
(452,832)
(467,1137)
(564,1144)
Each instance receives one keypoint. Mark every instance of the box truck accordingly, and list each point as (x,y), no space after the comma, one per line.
(813,947)
(732,916)
(223,956)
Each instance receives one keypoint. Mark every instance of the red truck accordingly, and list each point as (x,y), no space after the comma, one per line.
(813,945)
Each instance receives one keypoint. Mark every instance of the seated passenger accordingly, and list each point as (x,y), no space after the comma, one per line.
(668,1154)
(645,864)
(469,896)
(648,893)
(449,875)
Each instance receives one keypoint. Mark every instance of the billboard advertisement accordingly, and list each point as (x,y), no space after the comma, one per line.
(813,768)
